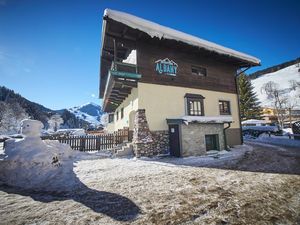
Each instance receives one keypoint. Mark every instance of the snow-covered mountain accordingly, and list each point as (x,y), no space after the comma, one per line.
(89,112)
(288,80)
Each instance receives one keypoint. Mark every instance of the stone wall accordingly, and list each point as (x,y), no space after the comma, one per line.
(233,136)
(142,137)
(193,137)
(146,143)
(160,144)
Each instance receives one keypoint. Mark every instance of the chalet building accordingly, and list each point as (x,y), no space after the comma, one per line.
(177,93)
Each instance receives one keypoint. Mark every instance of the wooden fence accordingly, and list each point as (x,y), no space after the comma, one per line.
(94,142)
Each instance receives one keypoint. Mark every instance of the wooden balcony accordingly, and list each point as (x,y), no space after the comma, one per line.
(122,77)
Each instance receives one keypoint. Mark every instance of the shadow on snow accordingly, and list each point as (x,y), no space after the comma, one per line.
(113,205)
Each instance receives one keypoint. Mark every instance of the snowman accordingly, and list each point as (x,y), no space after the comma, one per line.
(32,163)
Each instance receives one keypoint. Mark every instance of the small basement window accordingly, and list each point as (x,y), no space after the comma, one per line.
(111,118)
(212,142)
(199,71)
(194,105)
(224,107)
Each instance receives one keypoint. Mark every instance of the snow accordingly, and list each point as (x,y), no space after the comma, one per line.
(84,116)
(261,128)
(282,78)
(89,103)
(287,130)
(162,32)
(206,119)
(278,140)
(253,121)
(165,190)
(131,59)
(71,131)
(212,158)
(31,163)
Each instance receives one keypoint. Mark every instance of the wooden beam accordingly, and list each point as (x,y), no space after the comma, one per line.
(124,31)
(119,36)
(122,90)
(115,101)
(117,97)
(126,83)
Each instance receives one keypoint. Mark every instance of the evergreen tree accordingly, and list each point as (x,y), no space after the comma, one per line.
(249,104)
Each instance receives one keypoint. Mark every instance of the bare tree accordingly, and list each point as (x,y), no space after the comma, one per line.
(11,115)
(54,122)
(104,119)
(294,84)
(279,100)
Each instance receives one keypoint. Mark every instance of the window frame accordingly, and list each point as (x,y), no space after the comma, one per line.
(228,107)
(194,98)
(199,69)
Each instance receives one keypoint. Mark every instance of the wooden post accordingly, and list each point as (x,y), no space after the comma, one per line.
(290,117)
(82,144)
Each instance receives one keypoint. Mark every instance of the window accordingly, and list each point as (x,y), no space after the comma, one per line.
(117,113)
(224,107)
(122,113)
(194,105)
(199,71)
(111,118)
(212,142)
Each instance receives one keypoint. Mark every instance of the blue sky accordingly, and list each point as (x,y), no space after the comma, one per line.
(50,50)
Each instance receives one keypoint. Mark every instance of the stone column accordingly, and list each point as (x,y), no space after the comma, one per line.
(142,137)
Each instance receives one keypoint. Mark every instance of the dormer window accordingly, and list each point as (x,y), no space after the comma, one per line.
(199,71)
(194,105)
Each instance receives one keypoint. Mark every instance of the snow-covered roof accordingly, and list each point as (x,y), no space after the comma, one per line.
(159,31)
(204,119)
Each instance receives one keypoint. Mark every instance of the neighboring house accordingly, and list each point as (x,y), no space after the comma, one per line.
(175,91)
(291,116)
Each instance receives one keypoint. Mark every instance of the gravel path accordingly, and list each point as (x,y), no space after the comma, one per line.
(127,191)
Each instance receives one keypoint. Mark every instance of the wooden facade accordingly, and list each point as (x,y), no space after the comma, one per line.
(220,75)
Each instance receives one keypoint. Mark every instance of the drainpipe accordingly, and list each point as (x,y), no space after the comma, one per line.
(224,133)
(238,96)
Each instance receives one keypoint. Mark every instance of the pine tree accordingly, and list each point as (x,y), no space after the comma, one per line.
(249,104)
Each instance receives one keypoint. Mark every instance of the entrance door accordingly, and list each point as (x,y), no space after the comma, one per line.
(174,140)
(211,142)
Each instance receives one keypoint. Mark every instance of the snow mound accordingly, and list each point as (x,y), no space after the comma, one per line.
(31,163)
